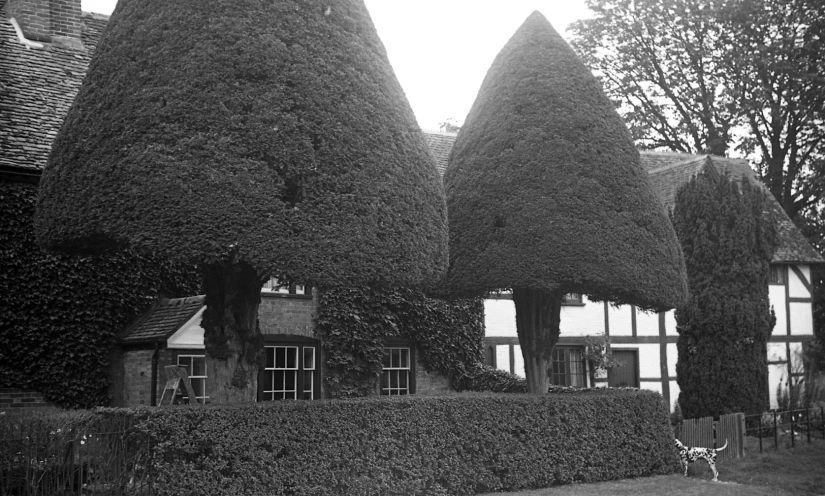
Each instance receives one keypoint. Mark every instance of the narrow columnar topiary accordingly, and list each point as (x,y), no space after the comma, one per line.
(725,324)
(547,196)
(256,138)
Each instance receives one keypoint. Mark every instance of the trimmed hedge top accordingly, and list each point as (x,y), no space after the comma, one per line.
(458,445)
(545,189)
(277,129)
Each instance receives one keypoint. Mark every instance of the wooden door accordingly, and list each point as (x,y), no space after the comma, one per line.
(626,375)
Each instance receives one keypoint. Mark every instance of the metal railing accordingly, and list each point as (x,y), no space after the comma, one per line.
(787,425)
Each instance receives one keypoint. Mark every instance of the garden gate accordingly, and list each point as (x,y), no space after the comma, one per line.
(702,433)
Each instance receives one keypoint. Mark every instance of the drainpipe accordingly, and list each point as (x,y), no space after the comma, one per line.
(153,395)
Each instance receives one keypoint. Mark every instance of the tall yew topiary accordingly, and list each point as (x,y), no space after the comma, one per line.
(547,196)
(256,138)
(725,324)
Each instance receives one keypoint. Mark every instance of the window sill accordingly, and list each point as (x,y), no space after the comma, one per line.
(266,294)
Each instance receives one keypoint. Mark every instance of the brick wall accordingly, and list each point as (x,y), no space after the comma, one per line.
(429,382)
(131,376)
(283,314)
(21,400)
(52,21)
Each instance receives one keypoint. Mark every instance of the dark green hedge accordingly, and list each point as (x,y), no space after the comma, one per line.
(276,128)
(59,314)
(727,321)
(355,322)
(545,189)
(485,378)
(456,445)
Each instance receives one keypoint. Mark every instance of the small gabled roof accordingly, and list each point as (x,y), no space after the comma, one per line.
(37,88)
(162,320)
(669,171)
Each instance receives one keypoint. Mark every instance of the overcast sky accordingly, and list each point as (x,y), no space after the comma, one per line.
(441,49)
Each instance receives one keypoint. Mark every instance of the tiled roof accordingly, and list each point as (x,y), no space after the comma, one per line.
(36,89)
(440,144)
(669,171)
(162,320)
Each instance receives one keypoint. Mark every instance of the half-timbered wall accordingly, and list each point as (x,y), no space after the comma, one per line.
(654,335)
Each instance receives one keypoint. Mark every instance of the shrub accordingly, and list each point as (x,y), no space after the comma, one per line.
(486,378)
(460,444)
(725,324)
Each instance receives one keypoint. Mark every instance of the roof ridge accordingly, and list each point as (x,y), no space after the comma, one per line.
(95,15)
(694,159)
(438,132)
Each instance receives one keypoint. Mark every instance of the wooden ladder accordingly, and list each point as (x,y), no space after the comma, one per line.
(175,374)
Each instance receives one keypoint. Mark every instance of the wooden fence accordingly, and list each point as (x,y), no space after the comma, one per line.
(707,433)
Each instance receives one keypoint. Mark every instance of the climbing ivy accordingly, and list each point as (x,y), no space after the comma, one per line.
(59,313)
(355,322)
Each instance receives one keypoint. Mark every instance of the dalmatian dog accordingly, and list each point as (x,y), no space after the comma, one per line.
(690,455)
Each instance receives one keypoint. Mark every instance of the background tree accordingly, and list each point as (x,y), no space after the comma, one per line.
(257,139)
(726,322)
(547,196)
(711,76)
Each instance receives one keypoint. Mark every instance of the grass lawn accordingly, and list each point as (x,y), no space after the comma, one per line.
(785,472)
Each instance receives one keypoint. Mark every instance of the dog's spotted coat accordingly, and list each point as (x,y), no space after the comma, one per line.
(690,455)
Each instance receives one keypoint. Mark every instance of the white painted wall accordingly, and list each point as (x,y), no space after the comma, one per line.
(649,364)
(672,358)
(776,295)
(190,334)
(802,319)
(647,323)
(796,287)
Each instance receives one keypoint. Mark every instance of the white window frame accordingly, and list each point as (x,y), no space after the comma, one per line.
(301,387)
(396,371)
(273,286)
(193,378)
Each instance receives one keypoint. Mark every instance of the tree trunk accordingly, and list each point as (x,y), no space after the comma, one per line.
(232,336)
(538,315)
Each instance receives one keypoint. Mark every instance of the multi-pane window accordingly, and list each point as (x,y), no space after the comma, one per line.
(572,299)
(279,287)
(195,366)
(395,376)
(777,274)
(289,373)
(568,367)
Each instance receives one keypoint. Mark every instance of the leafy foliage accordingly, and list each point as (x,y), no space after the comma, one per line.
(485,378)
(691,76)
(725,325)
(59,314)
(545,188)
(273,130)
(458,445)
(355,322)
(547,196)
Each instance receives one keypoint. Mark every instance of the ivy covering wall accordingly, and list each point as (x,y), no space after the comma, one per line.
(355,323)
(59,314)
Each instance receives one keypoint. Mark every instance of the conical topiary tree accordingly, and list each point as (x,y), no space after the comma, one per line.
(546,196)
(725,324)
(257,139)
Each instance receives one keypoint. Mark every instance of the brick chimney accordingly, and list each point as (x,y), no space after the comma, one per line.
(58,22)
